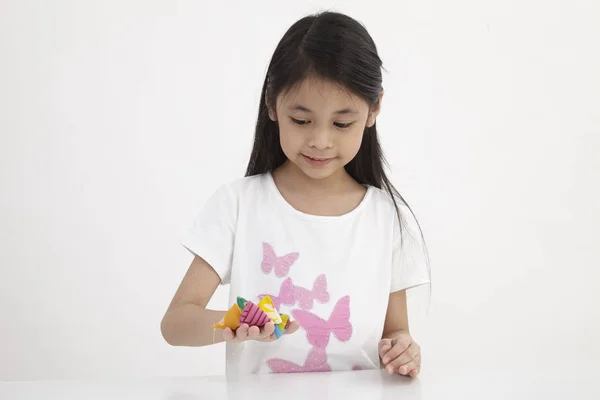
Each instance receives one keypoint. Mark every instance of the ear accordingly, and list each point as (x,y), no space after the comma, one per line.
(374,112)
(272,113)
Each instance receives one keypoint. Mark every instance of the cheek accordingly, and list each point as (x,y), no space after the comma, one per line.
(350,144)
(289,140)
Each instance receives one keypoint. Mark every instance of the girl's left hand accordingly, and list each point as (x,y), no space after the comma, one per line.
(401,355)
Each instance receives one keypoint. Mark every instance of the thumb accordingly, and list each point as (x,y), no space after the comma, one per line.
(385,345)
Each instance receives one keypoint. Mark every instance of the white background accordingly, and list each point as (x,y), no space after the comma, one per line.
(119,118)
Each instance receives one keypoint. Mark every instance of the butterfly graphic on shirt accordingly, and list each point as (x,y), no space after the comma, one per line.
(319,330)
(290,294)
(316,361)
(281,265)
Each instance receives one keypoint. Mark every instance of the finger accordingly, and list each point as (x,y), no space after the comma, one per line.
(270,338)
(267,330)
(406,357)
(241,333)
(292,327)
(384,346)
(416,370)
(254,333)
(407,368)
(228,335)
(399,347)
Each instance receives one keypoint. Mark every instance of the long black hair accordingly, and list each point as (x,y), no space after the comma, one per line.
(338,48)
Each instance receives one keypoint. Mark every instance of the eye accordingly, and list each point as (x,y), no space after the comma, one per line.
(343,125)
(299,121)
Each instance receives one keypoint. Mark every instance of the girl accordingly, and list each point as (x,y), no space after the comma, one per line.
(315,224)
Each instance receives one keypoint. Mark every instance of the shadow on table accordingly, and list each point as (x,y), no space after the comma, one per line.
(307,386)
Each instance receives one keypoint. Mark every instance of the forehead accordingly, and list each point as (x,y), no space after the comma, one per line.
(321,95)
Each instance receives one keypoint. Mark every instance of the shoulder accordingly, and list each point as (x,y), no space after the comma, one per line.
(225,201)
(397,210)
(383,201)
(241,188)
(245,185)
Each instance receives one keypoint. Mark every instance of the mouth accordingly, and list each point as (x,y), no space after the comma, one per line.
(316,161)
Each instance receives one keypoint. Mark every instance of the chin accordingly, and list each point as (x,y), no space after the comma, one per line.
(319,173)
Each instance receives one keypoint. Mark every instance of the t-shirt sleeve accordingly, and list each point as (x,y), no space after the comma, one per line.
(212,233)
(409,257)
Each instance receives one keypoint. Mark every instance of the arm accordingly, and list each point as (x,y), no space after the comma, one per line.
(398,352)
(187,322)
(396,318)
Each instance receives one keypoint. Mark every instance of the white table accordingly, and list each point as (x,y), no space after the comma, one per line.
(372,385)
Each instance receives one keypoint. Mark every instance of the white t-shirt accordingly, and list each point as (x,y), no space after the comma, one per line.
(332,274)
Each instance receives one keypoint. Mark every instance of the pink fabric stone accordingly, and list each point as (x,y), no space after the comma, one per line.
(253,315)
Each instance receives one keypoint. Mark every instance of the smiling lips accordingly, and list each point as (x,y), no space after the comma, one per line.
(317,161)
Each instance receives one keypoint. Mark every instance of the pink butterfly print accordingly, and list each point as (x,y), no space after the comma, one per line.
(286,295)
(281,264)
(289,294)
(318,330)
(316,361)
(319,292)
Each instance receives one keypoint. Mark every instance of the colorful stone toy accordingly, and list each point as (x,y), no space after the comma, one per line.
(246,312)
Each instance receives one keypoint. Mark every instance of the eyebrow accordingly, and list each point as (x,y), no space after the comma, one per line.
(299,107)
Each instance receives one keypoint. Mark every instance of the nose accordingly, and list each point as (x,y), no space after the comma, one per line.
(320,138)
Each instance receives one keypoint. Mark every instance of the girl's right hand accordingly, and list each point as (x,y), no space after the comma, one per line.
(264,334)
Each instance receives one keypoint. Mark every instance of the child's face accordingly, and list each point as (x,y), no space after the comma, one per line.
(321,126)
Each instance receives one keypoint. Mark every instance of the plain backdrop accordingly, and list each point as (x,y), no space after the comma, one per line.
(119,118)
